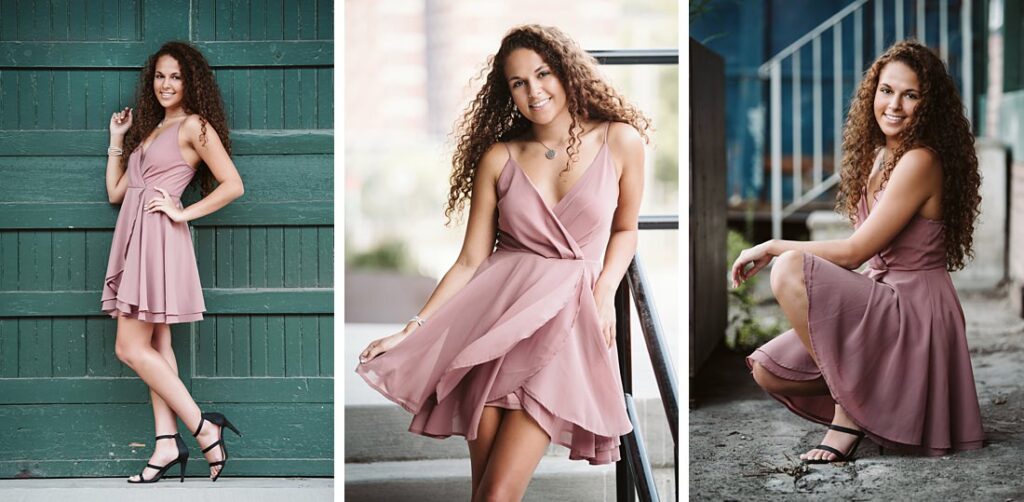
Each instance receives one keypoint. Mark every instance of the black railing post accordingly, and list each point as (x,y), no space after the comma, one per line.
(624,487)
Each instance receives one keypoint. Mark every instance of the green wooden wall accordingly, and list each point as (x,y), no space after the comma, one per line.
(264,353)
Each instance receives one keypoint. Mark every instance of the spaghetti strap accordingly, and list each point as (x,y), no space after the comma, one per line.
(508,149)
(607,129)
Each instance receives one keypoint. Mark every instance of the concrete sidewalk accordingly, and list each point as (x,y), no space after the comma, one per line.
(745,445)
(167,490)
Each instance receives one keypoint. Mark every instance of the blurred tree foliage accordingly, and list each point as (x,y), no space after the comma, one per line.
(388,255)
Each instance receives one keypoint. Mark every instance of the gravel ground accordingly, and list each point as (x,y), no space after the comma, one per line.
(745,445)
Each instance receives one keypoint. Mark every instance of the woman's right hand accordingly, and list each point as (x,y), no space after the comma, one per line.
(382,345)
(120,122)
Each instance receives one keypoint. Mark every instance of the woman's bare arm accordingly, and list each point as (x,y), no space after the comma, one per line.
(916,179)
(628,150)
(478,244)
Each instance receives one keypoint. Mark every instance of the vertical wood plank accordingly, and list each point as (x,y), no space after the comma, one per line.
(61,266)
(9,24)
(76,21)
(241,355)
(97,254)
(224,345)
(275,19)
(291,20)
(308,98)
(258,257)
(325,258)
(61,358)
(325,98)
(258,20)
(34,348)
(223,20)
(292,256)
(205,21)
(240,249)
(8,348)
(206,347)
(276,349)
(27,98)
(292,88)
(258,99)
(325,330)
(307,20)
(275,257)
(9,260)
(223,253)
(206,255)
(309,328)
(258,346)
(8,100)
(76,261)
(275,98)
(293,346)
(324,20)
(44,100)
(61,99)
(308,257)
(77,92)
(59,20)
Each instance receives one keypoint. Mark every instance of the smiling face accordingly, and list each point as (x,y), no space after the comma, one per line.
(168,83)
(896,98)
(535,90)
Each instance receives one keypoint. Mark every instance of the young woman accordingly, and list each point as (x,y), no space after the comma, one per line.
(515,347)
(179,133)
(883,353)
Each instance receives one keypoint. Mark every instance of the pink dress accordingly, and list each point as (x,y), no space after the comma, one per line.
(524,332)
(151,273)
(892,346)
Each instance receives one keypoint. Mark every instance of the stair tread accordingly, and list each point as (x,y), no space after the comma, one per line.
(460,468)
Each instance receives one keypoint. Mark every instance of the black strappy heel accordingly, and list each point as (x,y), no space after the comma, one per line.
(162,469)
(840,456)
(222,422)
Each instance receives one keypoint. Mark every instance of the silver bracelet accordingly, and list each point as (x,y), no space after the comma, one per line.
(417,319)
(115,151)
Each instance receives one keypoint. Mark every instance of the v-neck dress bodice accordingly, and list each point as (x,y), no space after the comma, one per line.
(524,332)
(891,345)
(151,273)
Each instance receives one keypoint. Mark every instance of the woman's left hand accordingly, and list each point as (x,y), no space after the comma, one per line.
(606,316)
(756,256)
(166,205)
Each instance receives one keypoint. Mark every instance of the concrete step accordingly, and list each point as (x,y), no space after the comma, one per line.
(379,433)
(449,479)
(192,490)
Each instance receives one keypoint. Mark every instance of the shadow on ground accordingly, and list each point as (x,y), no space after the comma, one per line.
(745,445)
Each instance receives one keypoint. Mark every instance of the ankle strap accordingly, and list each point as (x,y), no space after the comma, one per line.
(200,427)
(846,430)
(168,436)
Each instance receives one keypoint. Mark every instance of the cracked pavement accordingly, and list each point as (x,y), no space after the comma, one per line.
(745,445)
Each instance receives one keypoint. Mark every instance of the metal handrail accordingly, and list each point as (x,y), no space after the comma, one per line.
(636,474)
(772,70)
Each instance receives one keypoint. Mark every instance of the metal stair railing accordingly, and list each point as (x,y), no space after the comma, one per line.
(636,475)
(790,59)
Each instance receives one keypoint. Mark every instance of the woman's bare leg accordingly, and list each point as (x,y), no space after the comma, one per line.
(791,292)
(517,449)
(165,422)
(480,448)
(134,347)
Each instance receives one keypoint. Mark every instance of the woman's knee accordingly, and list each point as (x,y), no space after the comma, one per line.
(126,352)
(766,380)
(787,272)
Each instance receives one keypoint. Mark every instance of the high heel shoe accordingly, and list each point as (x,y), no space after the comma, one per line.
(221,421)
(840,456)
(161,470)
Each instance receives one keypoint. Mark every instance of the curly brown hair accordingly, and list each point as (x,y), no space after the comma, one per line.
(938,123)
(202,98)
(493,117)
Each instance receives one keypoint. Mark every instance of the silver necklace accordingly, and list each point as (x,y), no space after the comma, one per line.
(551,153)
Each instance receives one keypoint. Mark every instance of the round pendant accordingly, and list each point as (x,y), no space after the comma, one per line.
(550,154)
